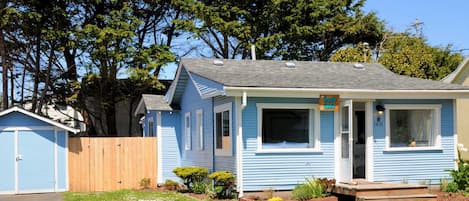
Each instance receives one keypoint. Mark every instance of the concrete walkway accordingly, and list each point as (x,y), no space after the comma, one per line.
(33,197)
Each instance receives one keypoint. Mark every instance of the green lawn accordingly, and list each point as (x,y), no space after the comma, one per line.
(127,195)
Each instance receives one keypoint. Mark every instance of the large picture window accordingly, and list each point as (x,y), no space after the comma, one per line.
(287,126)
(410,126)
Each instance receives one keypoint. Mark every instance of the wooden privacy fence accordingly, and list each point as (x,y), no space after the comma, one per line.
(111,163)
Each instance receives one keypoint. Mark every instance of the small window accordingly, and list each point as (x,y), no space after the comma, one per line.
(223,138)
(151,128)
(187,131)
(287,126)
(200,129)
(412,126)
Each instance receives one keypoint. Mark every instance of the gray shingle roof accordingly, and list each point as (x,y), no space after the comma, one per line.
(305,74)
(155,102)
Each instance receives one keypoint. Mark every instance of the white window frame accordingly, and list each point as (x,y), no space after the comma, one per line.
(224,151)
(314,126)
(187,131)
(436,125)
(199,124)
(148,127)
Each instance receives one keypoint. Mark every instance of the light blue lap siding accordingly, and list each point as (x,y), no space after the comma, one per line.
(20,119)
(282,171)
(227,163)
(190,102)
(415,166)
(171,142)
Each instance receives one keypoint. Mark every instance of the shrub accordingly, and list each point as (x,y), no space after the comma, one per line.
(461,175)
(199,187)
(275,199)
(451,187)
(312,188)
(145,183)
(223,184)
(171,185)
(190,175)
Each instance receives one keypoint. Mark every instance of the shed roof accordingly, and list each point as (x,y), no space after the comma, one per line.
(152,102)
(306,74)
(36,116)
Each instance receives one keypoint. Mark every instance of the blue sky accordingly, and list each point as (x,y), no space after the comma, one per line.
(445,21)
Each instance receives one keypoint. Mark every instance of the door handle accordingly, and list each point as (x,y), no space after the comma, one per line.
(19,157)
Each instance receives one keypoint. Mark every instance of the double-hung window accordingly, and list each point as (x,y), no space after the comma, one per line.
(151,128)
(199,127)
(187,131)
(223,137)
(288,127)
(413,126)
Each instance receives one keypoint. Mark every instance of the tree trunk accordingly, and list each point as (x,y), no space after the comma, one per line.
(12,80)
(47,81)
(36,73)
(4,71)
(22,86)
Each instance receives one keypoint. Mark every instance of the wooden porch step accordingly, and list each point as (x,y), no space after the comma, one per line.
(392,191)
(415,197)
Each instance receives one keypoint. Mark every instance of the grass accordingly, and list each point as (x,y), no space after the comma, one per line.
(127,195)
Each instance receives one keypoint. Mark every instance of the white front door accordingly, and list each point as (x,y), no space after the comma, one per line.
(345,139)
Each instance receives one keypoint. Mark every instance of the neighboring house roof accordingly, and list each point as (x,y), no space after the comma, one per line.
(36,116)
(217,77)
(457,76)
(152,102)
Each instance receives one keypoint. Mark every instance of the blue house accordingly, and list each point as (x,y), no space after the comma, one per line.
(33,153)
(273,123)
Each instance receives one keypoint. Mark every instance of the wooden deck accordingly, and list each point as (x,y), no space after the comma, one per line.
(377,191)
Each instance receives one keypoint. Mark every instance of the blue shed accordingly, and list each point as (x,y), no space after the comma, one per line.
(33,153)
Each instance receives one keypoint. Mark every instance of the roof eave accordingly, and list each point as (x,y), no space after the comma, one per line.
(346,93)
(36,116)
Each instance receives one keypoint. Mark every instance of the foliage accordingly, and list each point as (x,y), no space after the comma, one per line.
(406,54)
(299,30)
(275,199)
(171,185)
(127,195)
(312,188)
(224,184)
(461,175)
(199,187)
(145,183)
(191,175)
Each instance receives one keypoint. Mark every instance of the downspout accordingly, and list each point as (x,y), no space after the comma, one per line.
(239,144)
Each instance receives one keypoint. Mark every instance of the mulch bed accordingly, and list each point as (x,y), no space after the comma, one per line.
(444,196)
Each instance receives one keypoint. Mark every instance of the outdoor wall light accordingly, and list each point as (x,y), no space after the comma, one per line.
(380,110)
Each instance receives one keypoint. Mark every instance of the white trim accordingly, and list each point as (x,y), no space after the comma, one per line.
(436,128)
(159,134)
(455,131)
(67,182)
(7,192)
(15,160)
(199,124)
(369,149)
(139,109)
(175,82)
(187,132)
(314,127)
(57,124)
(29,191)
(224,151)
(56,163)
(239,145)
(450,78)
(346,93)
(29,128)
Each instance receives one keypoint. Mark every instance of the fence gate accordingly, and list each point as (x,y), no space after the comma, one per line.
(111,163)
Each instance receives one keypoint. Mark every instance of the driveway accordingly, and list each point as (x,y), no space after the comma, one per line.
(33,197)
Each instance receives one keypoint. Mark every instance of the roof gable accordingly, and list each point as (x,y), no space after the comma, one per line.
(9,113)
(459,75)
(152,102)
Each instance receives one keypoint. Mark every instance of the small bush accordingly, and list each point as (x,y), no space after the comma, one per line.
(275,199)
(145,183)
(223,184)
(312,188)
(199,187)
(451,187)
(171,185)
(191,175)
(461,176)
